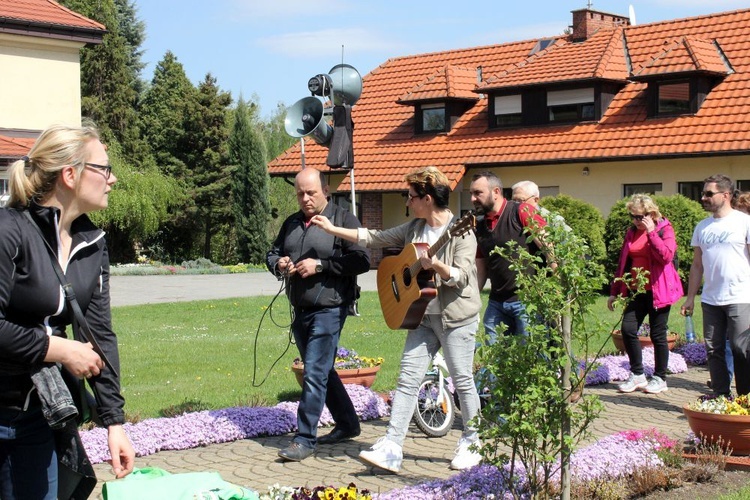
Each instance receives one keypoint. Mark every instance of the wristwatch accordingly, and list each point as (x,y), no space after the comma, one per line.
(319,267)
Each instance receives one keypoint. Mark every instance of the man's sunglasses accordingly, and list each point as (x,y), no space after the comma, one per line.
(710,194)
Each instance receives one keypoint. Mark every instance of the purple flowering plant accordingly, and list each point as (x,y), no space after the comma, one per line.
(612,457)
(201,428)
(349,359)
(617,367)
(693,352)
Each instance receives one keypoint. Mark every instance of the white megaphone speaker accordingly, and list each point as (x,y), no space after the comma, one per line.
(307,117)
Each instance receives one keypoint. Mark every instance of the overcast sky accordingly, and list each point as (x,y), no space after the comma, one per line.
(271,48)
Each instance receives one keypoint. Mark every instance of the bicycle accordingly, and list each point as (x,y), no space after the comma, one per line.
(436,407)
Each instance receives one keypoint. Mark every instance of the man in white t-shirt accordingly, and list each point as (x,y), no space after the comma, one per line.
(722,260)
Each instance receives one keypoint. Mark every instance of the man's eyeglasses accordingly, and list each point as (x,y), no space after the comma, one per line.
(523,200)
(107,169)
(710,194)
(637,217)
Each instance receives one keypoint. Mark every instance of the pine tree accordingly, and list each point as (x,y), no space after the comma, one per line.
(164,113)
(205,144)
(108,92)
(249,187)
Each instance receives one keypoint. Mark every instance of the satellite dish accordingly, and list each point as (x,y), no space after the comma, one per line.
(631,14)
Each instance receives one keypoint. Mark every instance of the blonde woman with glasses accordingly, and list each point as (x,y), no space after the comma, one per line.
(649,246)
(65,176)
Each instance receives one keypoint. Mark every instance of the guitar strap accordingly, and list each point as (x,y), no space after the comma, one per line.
(338,220)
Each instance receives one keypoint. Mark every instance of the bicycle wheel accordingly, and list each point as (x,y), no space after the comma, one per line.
(434,414)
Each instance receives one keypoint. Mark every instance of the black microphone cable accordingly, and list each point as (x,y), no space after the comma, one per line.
(269,311)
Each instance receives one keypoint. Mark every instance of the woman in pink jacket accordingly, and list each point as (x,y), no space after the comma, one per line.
(649,245)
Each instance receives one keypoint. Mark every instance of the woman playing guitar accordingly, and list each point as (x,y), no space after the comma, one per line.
(450,316)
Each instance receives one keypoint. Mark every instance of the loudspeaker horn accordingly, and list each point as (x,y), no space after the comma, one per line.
(306,117)
(347,84)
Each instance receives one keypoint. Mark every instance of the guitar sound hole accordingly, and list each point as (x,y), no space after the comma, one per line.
(407,278)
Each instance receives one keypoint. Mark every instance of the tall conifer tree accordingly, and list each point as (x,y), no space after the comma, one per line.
(249,187)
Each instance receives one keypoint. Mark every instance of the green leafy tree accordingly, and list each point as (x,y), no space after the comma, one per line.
(133,31)
(249,187)
(281,193)
(206,156)
(110,79)
(529,377)
(165,110)
(138,204)
(108,90)
(164,113)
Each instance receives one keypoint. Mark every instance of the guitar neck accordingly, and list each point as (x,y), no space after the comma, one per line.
(440,243)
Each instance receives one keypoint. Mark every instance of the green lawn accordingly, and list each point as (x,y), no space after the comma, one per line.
(202,354)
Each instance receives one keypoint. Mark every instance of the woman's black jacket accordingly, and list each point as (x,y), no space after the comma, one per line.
(32,304)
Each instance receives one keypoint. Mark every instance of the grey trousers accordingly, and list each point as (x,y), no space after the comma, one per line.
(730,322)
(421,345)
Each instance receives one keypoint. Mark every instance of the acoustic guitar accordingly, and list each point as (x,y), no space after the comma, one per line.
(404,287)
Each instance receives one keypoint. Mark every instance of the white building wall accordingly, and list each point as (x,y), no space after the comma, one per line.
(40,82)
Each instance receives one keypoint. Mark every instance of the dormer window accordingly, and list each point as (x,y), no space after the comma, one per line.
(681,75)
(572,105)
(432,117)
(673,98)
(508,110)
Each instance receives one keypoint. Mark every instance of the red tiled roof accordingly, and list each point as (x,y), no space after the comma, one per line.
(600,57)
(447,82)
(15,146)
(45,12)
(688,54)
(386,147)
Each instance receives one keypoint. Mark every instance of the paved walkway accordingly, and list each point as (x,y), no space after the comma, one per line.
(253,463)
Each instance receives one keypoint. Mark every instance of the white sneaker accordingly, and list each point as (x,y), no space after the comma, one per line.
(633,382)
(465,457)
(384,454)
(656,385)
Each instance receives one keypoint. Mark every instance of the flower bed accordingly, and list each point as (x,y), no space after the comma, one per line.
(613,368)
(614,456)
(202,428)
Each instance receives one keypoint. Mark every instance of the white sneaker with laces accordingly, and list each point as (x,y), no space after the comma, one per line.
(656,385)
(384,454)
(465,458)
(633,382)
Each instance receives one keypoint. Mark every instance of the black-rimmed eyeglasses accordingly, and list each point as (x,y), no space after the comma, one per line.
(107,169)
(410,196)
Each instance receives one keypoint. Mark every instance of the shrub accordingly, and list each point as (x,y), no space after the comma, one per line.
(683,213)
(201,263)
(583,218)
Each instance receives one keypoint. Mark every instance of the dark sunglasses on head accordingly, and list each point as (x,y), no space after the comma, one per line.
(637,217)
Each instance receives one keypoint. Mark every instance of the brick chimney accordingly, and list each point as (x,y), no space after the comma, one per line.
(587,21)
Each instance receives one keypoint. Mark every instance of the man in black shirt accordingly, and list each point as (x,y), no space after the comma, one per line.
(321,270)
(504,221)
